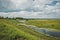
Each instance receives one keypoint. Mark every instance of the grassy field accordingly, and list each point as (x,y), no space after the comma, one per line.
(10,30)
(55,24)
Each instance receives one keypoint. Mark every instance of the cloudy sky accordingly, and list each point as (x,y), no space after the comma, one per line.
(30,8)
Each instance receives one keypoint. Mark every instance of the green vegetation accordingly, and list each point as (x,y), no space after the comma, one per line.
(11,30)
(55,24)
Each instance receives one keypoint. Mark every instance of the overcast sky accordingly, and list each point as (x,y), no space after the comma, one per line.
(30,8)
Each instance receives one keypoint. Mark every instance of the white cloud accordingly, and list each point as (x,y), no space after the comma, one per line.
(34,9)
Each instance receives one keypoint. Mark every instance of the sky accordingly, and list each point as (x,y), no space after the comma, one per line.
(30,8)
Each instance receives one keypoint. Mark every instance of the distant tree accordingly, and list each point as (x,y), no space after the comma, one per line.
(6,17)
(1,17)
(19,18)
(27,19)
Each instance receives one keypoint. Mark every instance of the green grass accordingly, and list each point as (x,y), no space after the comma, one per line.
(55,24)
(10,30)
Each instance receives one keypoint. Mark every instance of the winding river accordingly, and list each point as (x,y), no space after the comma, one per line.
(48,31)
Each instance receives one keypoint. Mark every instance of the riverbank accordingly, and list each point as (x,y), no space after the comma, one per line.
(11,29)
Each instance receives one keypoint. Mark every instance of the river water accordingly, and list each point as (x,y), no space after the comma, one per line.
(46,31)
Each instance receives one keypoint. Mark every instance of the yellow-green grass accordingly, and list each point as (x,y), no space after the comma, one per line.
(54,24)
(11,30)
